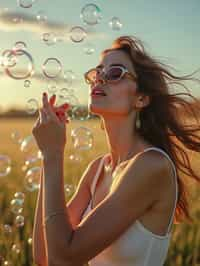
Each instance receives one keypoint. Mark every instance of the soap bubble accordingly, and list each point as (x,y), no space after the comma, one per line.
(29,148)
(27,83)
(32,179)
(80,112)
(7,229)
(77,34)
(32,106)
(82,138)
(115,23)
(23,67)
(70,99)
(69,189)
(89,49)
(16,206)
(41,16)
(30,240)
(28,144)
(25,3)
(65,92)
(8,59)
(75,158)
(19,196)
(16,137)
(19,221)
(7,263)
(16,248)
(69,77)
(5,165)
(17,20)
(52,67)
(49,38)
(52,86)
(20,46)
(91,14)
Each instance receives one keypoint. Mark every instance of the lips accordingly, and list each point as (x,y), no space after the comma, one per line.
(97,91)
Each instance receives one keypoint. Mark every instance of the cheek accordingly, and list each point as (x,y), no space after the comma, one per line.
(123,90)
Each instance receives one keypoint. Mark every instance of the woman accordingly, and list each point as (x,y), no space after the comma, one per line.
(122,213)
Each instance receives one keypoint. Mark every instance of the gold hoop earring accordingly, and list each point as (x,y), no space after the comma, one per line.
(138,121)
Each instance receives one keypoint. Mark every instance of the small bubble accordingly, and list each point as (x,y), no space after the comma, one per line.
(91,14)
(16,248)
(16,206)
(52,86)
(19,196)
(41,16)
(30,240)
(27,83)
(5,165)
(77,34)
(20,46)
(49,38)
(25,3)
(115,23)
(52,67)
(82,138)
(69,77)
(89,49)
(19,221)
(7,229)
(16,137)
(32,179)
(32,106)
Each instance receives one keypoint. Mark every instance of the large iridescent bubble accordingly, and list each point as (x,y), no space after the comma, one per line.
(22,67)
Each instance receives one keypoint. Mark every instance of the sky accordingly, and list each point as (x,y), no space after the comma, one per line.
(169,30)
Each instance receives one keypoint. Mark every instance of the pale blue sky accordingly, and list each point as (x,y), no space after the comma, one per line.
(169,29)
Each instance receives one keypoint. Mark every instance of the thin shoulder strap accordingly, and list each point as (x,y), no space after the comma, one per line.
(175,174)
(94,181)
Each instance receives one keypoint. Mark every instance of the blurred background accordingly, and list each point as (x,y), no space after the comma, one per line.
(48,46)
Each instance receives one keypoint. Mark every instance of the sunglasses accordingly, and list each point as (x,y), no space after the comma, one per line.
(113,74)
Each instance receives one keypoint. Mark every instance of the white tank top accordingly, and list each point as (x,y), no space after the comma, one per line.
(137,246)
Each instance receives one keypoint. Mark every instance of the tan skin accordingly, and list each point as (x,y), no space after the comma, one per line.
(81,240)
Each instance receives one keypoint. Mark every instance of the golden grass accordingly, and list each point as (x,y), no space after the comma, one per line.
(185,244)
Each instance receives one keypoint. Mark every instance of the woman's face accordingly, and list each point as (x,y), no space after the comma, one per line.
(121,95)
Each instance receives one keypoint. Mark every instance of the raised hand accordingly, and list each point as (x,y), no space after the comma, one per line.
(50,130)
(60,111)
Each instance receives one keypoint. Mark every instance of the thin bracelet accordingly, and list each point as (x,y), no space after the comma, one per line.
(47,218)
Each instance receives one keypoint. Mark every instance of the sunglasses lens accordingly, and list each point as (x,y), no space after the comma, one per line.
(114,73)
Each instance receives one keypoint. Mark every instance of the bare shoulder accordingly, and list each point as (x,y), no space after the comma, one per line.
(149,169)
(156,166)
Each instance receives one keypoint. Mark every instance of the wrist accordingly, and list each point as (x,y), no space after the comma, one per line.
(52,156)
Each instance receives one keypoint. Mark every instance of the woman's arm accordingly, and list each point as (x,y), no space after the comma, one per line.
(39,249)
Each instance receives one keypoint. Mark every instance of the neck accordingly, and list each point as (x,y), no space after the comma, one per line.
(123,141)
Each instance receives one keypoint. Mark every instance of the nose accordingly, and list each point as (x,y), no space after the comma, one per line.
(99,77)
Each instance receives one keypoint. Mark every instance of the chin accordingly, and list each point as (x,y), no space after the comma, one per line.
(95,108)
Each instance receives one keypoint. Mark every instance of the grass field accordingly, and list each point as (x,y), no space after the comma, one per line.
(15,242)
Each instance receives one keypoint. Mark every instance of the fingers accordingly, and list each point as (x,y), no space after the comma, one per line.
(43,116)
(52,100)
(48,109)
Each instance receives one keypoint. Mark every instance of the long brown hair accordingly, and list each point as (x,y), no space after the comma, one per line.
(162,121)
